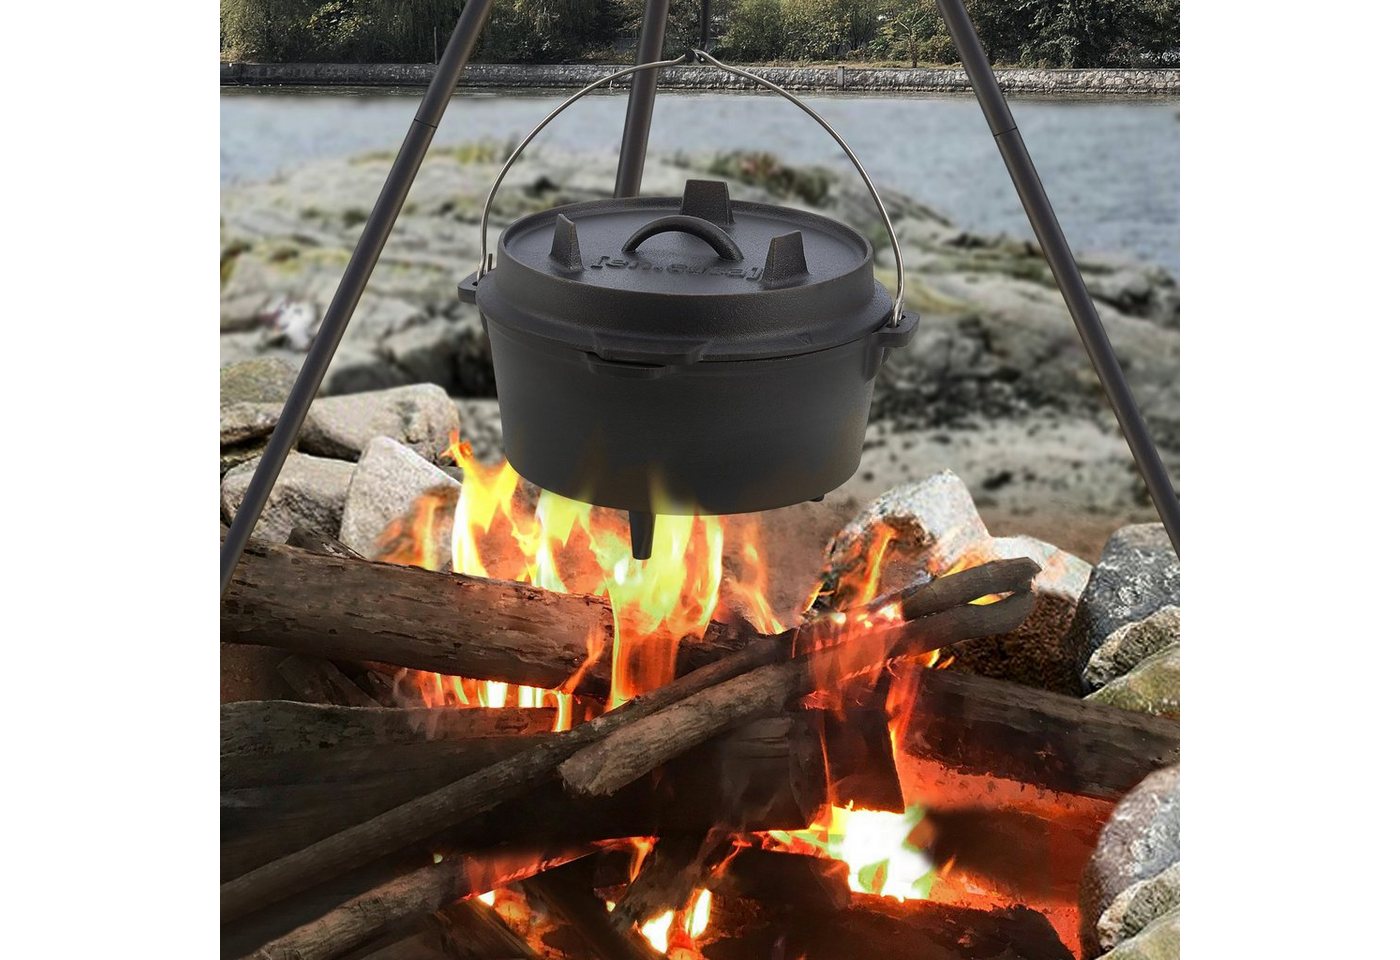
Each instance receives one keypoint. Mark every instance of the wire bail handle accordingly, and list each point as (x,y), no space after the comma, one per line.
(486,262)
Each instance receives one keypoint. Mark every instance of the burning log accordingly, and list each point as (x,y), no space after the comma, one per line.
(785,879)
(674,867)
(471,930)
(341,608)
(767,775)
(261,727)
(364,918)
(487,788)
(568,893)
(978,726)
(603,768)
(879,928)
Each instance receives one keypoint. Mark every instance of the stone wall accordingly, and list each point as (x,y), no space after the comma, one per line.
(1013,80)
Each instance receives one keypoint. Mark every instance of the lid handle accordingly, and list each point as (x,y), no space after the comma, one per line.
(720,242)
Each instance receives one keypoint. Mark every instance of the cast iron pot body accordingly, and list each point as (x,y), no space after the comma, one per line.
(645,364)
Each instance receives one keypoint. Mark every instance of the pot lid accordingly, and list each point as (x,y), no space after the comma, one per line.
(683,279)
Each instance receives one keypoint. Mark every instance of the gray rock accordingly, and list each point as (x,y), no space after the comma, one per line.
(1141,839)
(933,522)
(1136,907)
(244,421)
(1161,940)
(310,492)
(259,380)
(384,487)
(1137,575)
(481,428)
(1131,644)
(422,417)
(1153,686)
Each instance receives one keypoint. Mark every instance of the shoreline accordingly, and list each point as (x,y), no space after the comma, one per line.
(1092,82)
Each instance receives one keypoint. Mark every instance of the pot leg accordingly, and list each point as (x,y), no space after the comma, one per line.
(643,526)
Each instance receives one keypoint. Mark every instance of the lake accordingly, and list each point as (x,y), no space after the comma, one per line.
(1111,167)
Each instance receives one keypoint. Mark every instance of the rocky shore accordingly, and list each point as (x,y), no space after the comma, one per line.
(995,387)
(1023,81)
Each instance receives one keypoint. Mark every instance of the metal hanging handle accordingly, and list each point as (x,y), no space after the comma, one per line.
(485,264)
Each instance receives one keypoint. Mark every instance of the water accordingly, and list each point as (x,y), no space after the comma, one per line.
(1111,167)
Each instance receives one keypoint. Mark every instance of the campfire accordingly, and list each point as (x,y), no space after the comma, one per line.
(551,749)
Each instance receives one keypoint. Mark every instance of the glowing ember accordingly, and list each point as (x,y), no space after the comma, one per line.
(878,847)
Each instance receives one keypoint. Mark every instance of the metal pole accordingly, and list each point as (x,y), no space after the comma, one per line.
(1062,265)
(704,43)
(352,284)
(632,154)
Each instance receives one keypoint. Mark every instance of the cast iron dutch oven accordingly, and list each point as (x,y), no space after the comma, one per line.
(685,355)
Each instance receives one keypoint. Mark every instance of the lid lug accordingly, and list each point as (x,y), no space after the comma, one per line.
(708,200)
(787,259)
(565,251)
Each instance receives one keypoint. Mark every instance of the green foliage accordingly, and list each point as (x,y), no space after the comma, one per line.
(1054,33)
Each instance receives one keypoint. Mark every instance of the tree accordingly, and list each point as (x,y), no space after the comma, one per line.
(910,23)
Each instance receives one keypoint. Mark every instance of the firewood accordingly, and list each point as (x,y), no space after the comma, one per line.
(471,930)
(485,789)
(319,681)
(784,879)
(317,542)
(671,871)
(766,775)
(259,727)
(341,608)
(980,726)
(568,893)
(603,768)
(881,928)
(363,918)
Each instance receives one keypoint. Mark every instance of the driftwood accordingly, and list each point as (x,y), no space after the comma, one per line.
(605,767)
(980,726)
(261,727)
(491,786)
(342,608)
(766,775)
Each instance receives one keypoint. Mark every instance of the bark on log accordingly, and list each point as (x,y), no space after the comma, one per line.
(785,879)
(363,918)
(319,681)
(568,893)
(471,930)
(767,775)
(341,608)
(260,727)
(976,725)
(605,767)
(672,870)
(479,792)
(881,928)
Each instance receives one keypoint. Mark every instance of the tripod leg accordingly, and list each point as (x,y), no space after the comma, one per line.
(1062,265)
(352,284)
(637,128)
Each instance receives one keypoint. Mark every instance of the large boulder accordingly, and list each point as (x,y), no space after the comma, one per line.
(1141,839)
(310,492)
(1153,686)
(1131,644)
(385,487)
(1138,574)
(259,380)
(422,417)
